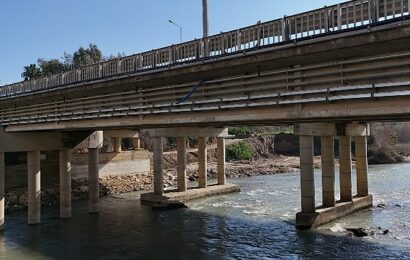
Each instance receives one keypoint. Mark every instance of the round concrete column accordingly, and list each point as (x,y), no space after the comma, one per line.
(328,171)
(2,173)
(202,162)
(221,161)
(181,164)
(361,166)
(345,161)
(117,144)
(93,182)
(307,179)
(65,183)
(157,160)
(136,143)
(34,187)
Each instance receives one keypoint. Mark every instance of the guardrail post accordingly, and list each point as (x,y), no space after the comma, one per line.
(285,29)
(408,7)
(374,11)
(339,17)
(327,21)
(118,66)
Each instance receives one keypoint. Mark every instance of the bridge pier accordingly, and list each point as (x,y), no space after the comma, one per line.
(330,210)
(93,180)
(117,144)
(34,187)
(65,183)
(181,164)
(221,160)
(158,169)
(182,193)
(202,163)
(328,171)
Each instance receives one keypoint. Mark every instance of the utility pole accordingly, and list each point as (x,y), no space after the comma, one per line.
(205,17)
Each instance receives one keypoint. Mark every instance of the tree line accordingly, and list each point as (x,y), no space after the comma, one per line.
(80,58)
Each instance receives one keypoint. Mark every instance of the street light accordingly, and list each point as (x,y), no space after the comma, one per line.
(180,29)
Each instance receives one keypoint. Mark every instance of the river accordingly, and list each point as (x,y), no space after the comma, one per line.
(257,223)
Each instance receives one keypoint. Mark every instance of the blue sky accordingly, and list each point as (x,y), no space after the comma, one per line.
(31,29)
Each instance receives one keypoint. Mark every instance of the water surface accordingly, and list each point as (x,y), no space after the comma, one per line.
(257,223)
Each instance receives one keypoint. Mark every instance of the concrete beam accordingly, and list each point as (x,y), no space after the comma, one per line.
(189,132)
(357,129)
(332,129)
(121,133)
(21,142)
(316,129)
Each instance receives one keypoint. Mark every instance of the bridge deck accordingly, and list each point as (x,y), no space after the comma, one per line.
(352,54)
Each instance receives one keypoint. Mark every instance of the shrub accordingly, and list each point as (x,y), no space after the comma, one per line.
(238,131)
(239,151)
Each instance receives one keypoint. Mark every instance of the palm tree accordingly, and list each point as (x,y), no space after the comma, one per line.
(31,72)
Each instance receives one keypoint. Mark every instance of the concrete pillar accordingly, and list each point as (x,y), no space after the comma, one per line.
(117,144)
(361,166)
(221,161)
(202,162)
(328,171)
(157,160)
(93,183)
(345,161)
(2,173)
(181,164)
(307,178)
(136,143)
(65,183)
(34,187)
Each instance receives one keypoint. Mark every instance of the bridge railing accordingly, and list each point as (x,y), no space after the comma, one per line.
(343,16)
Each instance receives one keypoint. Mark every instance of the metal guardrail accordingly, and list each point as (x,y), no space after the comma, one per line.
(343,16)
(366,78)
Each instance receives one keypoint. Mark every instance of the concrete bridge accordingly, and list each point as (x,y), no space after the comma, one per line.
(330,71)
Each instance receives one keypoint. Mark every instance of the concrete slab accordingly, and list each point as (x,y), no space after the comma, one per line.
(326,215)
(191,194)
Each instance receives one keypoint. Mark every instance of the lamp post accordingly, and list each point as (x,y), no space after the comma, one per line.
(205,17)
(180,29)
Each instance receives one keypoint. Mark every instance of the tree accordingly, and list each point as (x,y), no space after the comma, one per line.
(51,67)
(31,72)
(84,57)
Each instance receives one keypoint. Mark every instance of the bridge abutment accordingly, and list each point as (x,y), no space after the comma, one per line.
(330,210)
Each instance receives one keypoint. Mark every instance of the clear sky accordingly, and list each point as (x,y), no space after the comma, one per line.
(31,29)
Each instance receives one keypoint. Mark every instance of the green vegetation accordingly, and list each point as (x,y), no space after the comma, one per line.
(239,151)
(80,58)
(260,131)
(243,130)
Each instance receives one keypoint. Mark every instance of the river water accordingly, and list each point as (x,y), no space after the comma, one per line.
(257,223)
